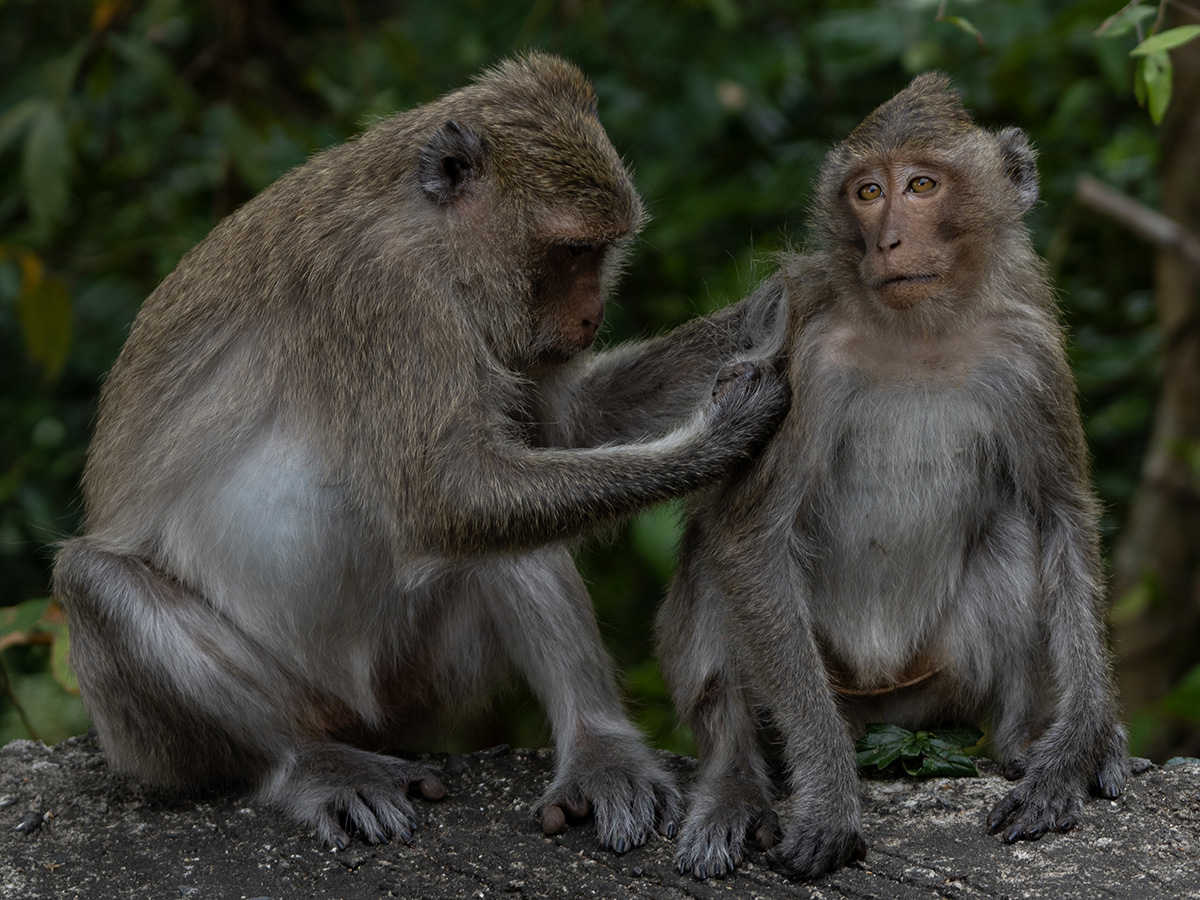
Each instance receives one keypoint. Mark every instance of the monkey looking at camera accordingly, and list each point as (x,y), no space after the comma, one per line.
(337,459)
(917,545)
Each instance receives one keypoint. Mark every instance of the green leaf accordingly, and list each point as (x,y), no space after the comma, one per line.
(45,163)
(922,754)
(942,759)
(23,617)
(959,737)
(1125,21)
(1155,71)
(963,25)
(882,745)
(44,311)
(1166,40)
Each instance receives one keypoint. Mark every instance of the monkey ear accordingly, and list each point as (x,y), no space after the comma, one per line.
(1020,163)
(450,161)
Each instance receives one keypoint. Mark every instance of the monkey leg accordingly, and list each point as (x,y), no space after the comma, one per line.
(182,698)
(822,827)
(544,617)
(731,795)
(1085,747)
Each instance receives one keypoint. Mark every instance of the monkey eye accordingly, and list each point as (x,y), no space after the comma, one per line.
(921,184)
(870,192)
(580,248)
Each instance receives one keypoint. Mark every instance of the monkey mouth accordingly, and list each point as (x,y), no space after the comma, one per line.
(903,281)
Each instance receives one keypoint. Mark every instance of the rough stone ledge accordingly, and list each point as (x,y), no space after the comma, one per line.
(71,828)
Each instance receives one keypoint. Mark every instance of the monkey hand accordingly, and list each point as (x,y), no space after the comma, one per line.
(1051,793)
(620,783)
(749,402)
(329,785)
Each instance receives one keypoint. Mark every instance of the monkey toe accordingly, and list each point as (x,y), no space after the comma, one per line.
(1113,772)
(341,790)
(1036,808)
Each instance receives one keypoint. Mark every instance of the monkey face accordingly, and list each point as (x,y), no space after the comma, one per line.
(900,209)
(569,300)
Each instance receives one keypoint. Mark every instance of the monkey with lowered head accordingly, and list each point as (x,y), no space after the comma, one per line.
(917,545)
(337,460)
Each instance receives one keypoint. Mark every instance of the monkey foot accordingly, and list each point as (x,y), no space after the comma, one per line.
(621,785)
(334,789)
(714,837)
(811,849)
(1051,799)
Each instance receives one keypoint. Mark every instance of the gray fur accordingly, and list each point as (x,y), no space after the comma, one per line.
(917,545)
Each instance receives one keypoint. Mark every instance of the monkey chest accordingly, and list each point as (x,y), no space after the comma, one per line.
(904,485)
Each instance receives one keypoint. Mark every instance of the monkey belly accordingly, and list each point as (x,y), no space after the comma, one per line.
(892,536)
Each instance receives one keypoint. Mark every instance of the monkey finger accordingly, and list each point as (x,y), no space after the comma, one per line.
(1021,832)
(732,373)
(329,832)
(364,821)
(859,853)
(668,810)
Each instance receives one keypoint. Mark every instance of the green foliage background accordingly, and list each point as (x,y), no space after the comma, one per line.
(127,129)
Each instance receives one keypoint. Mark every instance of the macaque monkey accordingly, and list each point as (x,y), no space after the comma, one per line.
(338,459)
(917,545)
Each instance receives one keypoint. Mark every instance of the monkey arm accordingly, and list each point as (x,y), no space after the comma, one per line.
(745,539)
(1084,746)
(643,389)
(506,495)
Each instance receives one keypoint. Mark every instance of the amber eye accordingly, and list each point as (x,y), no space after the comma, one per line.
(921,184)
(870,192)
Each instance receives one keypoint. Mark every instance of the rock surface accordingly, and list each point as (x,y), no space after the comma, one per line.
(70,828)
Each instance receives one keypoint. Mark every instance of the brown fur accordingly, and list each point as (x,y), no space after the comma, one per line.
(336,460)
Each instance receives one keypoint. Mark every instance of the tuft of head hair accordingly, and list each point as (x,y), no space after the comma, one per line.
(928,113)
